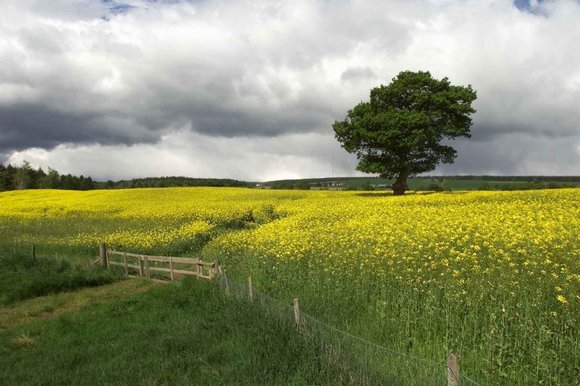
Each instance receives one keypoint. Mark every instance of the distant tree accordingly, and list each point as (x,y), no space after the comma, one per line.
(23,179)
(302,186)
(81,183)
(88,184)
(51,180)
(398,133)
(68,182)
(4,178)
(11,176)
(37,176)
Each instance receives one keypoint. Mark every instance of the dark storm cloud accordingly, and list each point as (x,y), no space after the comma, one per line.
(36,126)
(516,154)
(270,69)
(158,67)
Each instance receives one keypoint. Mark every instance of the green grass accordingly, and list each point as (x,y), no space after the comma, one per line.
(53,305)
(186,332)
(24,277)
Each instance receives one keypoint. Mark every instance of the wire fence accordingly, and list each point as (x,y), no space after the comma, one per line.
(360,362)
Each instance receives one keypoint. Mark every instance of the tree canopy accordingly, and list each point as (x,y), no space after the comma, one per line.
(399,132)
(26,177)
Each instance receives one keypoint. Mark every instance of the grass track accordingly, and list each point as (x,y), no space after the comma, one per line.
(51,306)
(183,333)
(24,278)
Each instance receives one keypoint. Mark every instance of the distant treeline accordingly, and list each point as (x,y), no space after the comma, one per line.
(166,182)
(26,177)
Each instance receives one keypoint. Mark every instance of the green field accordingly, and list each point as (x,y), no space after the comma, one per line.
(442,183)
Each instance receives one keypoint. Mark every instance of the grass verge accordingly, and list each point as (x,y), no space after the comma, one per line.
(24,278)
(186,332)
(50,306)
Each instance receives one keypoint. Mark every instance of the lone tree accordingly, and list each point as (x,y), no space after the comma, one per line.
(398,133)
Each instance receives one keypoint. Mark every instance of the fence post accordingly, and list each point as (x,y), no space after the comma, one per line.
(147,267)
(214,269)
(198,270)
(33,253)
(140,265)
(250,289)
(453,370)
(225,276)
(298,316)
(103,254)
(171,267)
(126,267)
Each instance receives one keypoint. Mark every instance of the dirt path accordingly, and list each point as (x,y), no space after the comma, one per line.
(50,306)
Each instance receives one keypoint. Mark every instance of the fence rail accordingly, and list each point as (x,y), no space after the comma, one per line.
(139,265)
(359,361)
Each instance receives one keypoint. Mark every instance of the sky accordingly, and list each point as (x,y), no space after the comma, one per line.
(249,89)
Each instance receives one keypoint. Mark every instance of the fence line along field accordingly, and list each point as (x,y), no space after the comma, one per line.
(492,275)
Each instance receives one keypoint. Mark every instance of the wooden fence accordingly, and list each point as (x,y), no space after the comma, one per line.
(307,327)
(162,267)
(145,264)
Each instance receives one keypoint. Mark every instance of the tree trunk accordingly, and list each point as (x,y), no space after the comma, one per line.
(400,185)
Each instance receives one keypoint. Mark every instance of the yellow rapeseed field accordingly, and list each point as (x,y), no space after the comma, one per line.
(495,275)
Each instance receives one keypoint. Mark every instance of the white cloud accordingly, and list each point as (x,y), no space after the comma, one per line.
(233,72)
(184,153)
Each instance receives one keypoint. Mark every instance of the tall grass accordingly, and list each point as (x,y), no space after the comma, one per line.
(183,333)
(25,277)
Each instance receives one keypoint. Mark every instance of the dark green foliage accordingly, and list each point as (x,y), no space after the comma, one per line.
(51,181)
(398,133)
(296,185)
(71,182)
(24,278)
(25,177)
(5,178)
(183,333)
(167,182)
